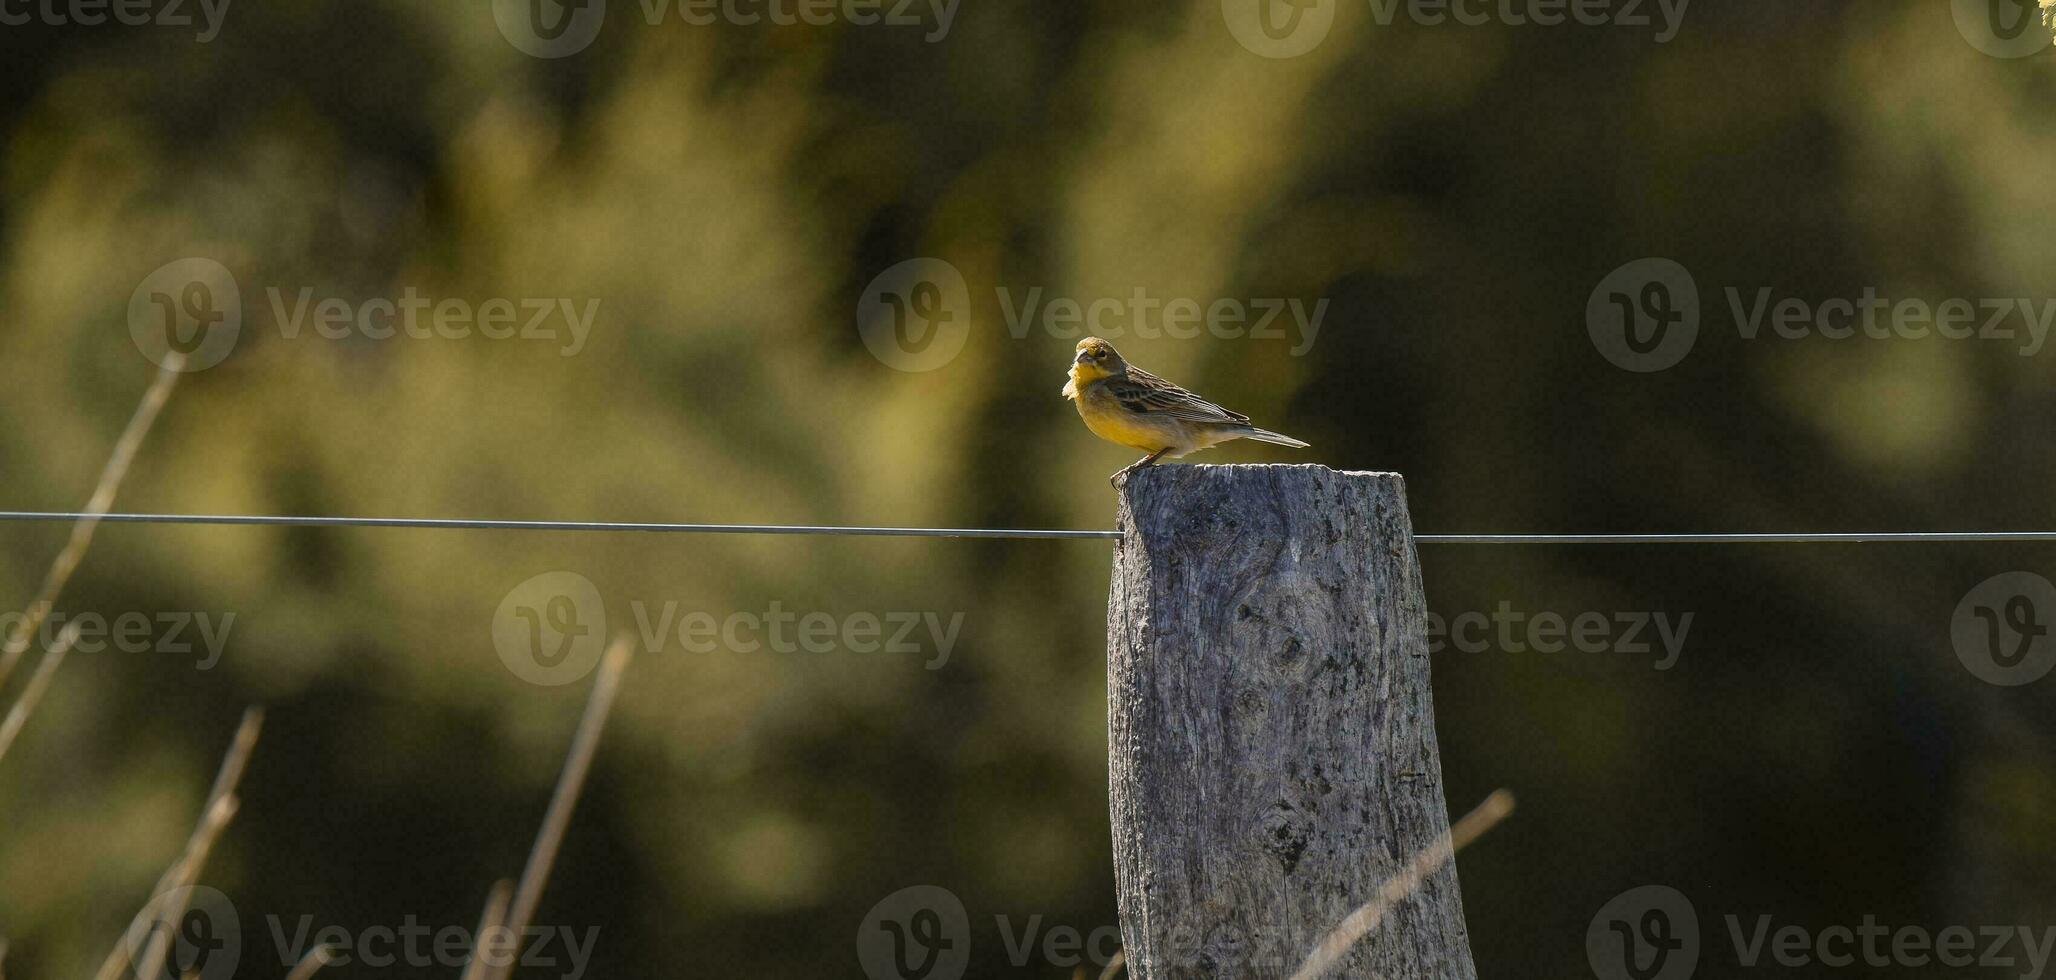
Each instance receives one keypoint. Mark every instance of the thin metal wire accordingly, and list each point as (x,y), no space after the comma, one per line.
(450,524)
(1750,537)
(597,526)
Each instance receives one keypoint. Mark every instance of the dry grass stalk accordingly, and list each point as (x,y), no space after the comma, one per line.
(494,918)
(1395,890)
(312,963)
(214,818)
(74,551)
(550,837)
(39,683)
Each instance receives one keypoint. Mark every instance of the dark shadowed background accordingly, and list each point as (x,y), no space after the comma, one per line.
(724,198)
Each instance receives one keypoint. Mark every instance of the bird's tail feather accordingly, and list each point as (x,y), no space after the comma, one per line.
(1266,435)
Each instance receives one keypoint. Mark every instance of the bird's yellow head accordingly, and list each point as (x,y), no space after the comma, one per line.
(1096,359)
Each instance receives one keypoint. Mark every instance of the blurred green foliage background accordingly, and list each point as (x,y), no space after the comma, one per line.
(727,192)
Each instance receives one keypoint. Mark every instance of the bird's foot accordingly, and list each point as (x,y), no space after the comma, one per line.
(1149,460)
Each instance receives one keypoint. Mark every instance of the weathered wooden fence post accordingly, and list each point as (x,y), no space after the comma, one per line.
(1271,737)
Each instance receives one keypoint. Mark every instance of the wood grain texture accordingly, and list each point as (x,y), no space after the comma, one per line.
(1270,729)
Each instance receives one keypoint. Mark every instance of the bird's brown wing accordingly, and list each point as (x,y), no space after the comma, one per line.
(1144,393)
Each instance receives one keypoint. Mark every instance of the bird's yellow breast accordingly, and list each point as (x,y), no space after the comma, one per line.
(1109,420)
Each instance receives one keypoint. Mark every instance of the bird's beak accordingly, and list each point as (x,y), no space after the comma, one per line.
(1081,358)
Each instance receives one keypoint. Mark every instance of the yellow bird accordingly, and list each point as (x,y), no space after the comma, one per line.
(1134,408)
